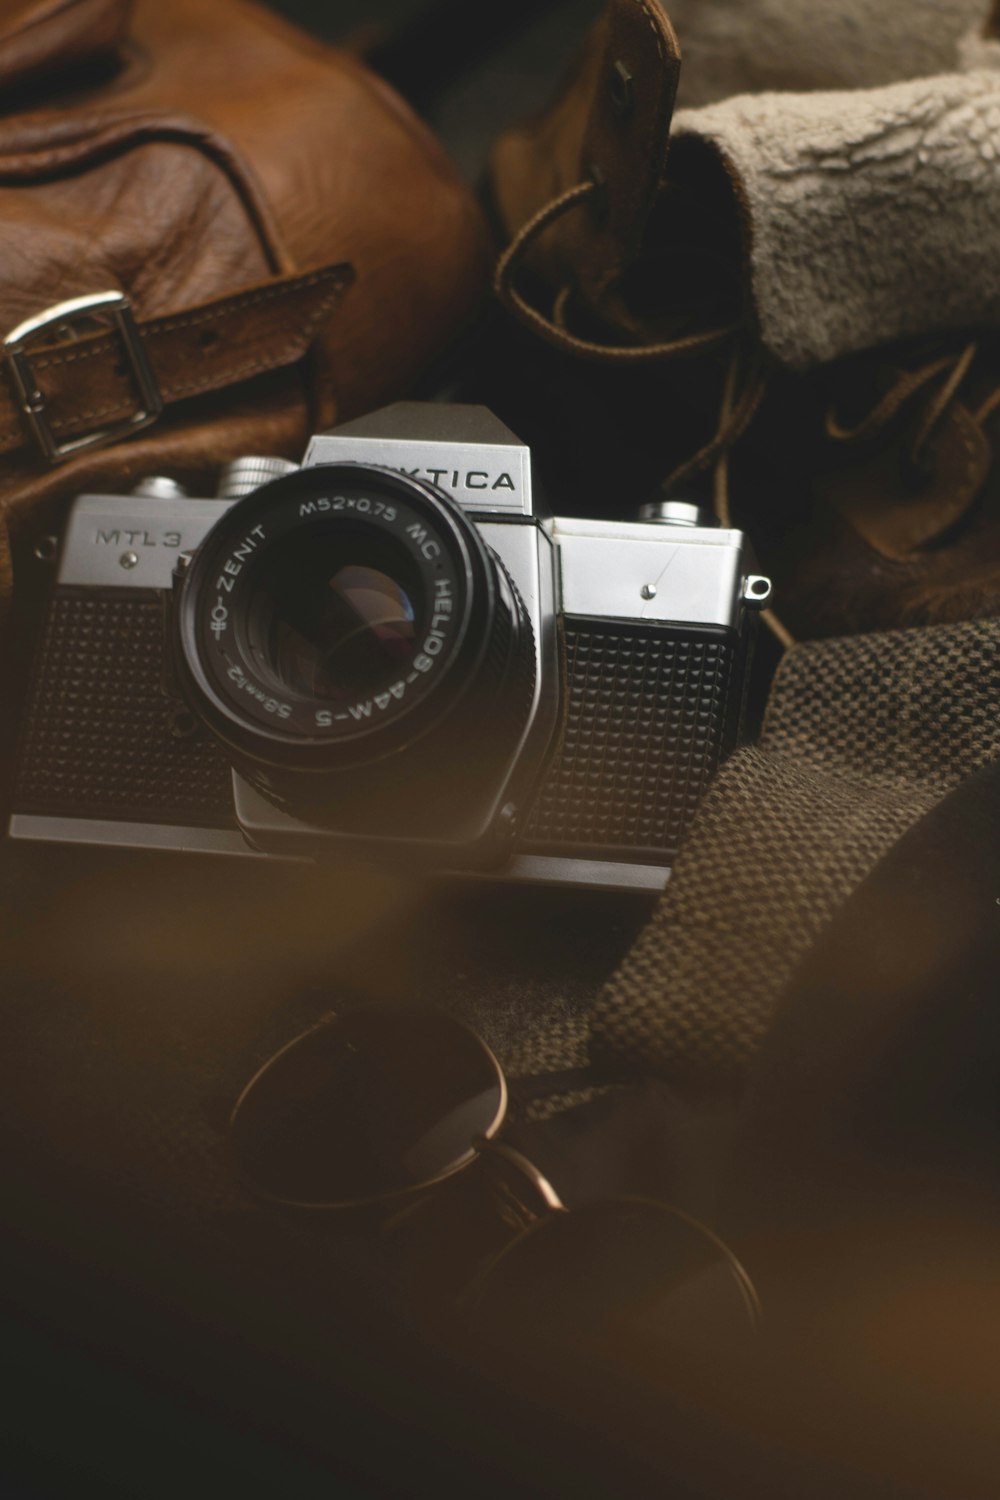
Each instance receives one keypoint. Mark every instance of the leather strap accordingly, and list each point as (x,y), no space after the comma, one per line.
(627,130)
(505,286)
(603,143)
(87,383)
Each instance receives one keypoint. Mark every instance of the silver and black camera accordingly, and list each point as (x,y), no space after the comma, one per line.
(389,650)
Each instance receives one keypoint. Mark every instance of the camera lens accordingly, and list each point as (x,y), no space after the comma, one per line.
(334,616)
(344,614)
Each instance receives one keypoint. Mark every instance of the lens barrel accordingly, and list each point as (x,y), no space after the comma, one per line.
(344,616)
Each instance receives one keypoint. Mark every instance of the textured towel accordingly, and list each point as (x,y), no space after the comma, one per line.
(864,735)
(874,215)
(738,46)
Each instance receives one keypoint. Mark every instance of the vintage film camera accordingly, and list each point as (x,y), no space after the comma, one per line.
(389,651)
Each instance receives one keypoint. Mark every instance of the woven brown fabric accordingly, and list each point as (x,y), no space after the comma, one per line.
(863,736)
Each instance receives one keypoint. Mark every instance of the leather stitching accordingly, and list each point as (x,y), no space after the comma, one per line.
(965,430)
(221,375)
(649,140)
(172,322)
(652,26)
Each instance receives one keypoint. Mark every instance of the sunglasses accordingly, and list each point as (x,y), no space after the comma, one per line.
(378,1105)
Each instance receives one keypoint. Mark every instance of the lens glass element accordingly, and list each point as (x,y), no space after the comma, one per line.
(339,615)
(334,616)
(365,1106)
(627,1278)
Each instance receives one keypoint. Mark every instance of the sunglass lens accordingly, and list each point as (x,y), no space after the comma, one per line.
(627,1278)
(371,1104)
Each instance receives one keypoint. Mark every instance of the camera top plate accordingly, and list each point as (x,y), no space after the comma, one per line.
(464,450)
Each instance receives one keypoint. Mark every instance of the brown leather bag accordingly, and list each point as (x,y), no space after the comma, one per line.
(292,245)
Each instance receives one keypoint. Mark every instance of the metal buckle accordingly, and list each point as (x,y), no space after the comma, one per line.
(113,306)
